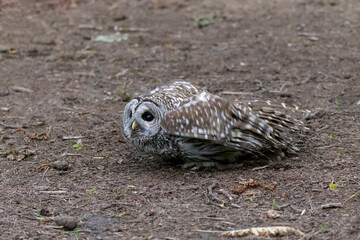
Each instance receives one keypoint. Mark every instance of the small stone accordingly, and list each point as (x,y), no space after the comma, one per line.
(60,165)
(44,40)
(120,161)
(67,222)
(120,18)
(11,157)
(273,214)
(347,75)
(45,212)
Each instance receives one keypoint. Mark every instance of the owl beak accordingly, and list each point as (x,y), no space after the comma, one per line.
(133,125)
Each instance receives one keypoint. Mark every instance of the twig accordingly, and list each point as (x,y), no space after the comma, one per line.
(311,115)
(208,231)
(281,207)
(328,146)
(73,154)
(5,109)
(306,79)
(145,75)
(306,34)
(323,128)
(43,176)
(331,76)
(218,204)
(226,194)
(54,192)
(132,29)
(331,205)
(260,168)
(86,74)
(90,27)
(235,205)
(12,126)
(296,209)
(115,204)
(352,196)
(213,218)
(284,85)
(71,137)
(235,93)
(52,227)
(210,193)
(21,89)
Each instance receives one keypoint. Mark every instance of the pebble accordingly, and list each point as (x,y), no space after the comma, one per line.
(60,165)
(67,222)
(273,214)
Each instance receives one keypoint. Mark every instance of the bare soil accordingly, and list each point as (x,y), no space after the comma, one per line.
(57,82)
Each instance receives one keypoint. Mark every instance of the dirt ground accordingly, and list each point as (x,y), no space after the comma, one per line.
(57,82)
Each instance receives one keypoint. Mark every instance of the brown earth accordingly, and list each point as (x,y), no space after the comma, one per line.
(56,81)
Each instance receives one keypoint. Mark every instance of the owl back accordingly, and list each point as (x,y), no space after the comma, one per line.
(173,96)
(211,127)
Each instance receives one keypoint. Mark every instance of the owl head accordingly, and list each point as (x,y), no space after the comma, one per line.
(141,119)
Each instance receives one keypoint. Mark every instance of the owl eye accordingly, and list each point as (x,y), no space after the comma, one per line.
(147,116)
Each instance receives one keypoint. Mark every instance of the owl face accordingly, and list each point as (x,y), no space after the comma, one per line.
(141,119)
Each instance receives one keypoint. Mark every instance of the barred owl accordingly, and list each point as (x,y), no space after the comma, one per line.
(184,121)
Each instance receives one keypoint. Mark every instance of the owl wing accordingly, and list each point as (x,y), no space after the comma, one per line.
(214,120)
(275,114)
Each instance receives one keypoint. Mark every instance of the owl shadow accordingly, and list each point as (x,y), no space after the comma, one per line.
(244,163)
(267,159)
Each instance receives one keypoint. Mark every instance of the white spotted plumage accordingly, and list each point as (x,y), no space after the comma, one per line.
(184,121)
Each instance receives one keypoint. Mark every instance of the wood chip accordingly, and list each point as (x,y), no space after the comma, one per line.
(21,89)
(278,231)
